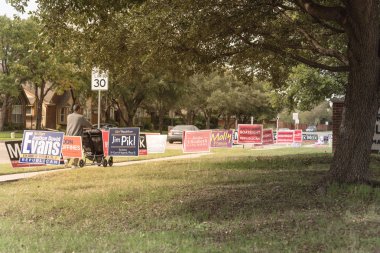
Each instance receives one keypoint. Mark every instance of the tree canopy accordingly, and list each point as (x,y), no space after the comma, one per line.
(258,39)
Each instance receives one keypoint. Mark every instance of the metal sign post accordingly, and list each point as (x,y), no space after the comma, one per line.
(99,99)
(99,82)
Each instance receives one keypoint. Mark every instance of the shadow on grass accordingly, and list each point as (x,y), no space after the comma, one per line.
(272,206)
(271,185)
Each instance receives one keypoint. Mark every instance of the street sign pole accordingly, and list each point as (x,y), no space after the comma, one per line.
(99,82)
(99,99)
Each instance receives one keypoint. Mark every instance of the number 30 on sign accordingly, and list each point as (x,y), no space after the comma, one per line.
(99,79)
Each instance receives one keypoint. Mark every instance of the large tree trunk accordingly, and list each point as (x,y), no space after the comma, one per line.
(131,107)
(39,114)
(130,117)
(161,114)
(227,120)
(207,114)
(352,155)
(190,117)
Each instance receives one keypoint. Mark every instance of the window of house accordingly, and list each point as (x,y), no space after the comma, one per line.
(17,114)
(28,110)
(63,114)
(112,113)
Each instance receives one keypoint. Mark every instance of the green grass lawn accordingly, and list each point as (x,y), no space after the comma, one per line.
(6,135)
(6,169)
(232,201)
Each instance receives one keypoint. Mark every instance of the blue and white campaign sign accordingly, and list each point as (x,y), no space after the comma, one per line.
(41,147)
(124,141)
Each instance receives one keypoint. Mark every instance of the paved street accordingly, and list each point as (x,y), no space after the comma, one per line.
(4,158)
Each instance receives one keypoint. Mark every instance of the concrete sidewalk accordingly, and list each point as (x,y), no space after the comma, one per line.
(15,177)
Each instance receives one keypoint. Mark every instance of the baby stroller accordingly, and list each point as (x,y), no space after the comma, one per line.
(92,143)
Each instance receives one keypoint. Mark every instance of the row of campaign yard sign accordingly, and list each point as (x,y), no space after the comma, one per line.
(45,147)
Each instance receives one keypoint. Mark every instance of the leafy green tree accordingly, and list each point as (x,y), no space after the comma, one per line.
(129,97)
(165,92)
(43,66)
(242,100)
(14,35)
(7,83)
(224,95)
(320,114)
(306,88)
(265,39)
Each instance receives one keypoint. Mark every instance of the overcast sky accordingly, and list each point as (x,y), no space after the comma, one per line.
(9,11)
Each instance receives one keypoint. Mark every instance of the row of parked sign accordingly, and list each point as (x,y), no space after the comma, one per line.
(43,147)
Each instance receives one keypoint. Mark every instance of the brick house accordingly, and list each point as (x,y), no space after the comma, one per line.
(55,108)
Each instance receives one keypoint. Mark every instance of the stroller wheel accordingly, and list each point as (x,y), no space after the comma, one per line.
(110,161)
(105,162)
(99,160)
(81,163)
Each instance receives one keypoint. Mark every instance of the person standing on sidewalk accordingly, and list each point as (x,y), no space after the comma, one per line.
(75,124)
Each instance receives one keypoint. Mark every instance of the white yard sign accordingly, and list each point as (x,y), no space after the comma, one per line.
(156,143)
(376,136)
(99,79)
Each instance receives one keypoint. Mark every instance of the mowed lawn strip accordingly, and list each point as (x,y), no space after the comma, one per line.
(6,169)
(242,202)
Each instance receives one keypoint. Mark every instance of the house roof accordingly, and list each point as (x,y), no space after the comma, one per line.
(30,89)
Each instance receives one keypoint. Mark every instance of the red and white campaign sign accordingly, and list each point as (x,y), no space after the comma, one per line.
(196,141)
(285,136)
(72,147)
(105,137)
(297,136)
(268,136)
(251,134)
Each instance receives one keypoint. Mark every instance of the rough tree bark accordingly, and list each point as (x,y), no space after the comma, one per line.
(352,155)
(131,107)
(207,115)
(39,101)
(360,20)
(161,115)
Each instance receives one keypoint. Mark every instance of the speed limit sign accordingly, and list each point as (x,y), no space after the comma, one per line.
(99,79)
